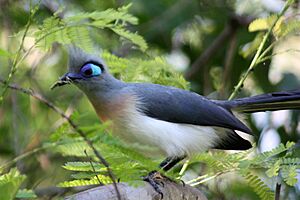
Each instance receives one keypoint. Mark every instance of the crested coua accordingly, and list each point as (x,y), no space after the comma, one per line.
(176,121)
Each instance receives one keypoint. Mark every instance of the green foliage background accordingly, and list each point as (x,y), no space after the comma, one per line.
(39,150)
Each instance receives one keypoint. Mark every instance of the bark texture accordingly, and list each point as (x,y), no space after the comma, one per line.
(170,189)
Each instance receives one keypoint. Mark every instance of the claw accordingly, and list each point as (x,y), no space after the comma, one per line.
(154,178)
(183,183)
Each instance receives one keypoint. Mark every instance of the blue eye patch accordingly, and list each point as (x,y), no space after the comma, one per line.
(90,70)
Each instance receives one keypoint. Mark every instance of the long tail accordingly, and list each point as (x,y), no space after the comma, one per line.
(265,102)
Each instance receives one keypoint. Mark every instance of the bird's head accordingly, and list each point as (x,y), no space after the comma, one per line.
(86,71)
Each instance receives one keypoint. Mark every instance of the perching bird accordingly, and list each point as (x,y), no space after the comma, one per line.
(178,122)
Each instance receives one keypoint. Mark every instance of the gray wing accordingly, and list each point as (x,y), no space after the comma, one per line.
(181,106)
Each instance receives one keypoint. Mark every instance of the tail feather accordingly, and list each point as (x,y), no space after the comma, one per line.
(232,141)
(265,102)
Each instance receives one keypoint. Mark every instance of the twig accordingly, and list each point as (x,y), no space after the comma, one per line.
(207,178)
(277,191)
(201,179)
(74,126)
(254,61)
(24,155)
(277,53)
(264,53)
(16,62)
(90,160)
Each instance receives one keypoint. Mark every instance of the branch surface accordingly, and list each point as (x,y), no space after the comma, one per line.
(170,189)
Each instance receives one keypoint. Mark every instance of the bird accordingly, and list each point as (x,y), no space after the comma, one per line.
(178,122)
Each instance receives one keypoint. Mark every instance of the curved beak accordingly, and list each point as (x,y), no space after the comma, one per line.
(68,78)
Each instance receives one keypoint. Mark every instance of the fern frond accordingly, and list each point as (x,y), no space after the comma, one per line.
(290,161)
(74,149)
(83,167)
(220,161)
(139,70)
(268,154)
(102,18)
(133,37)
(82,182)
(75,29)
(25,194)
(84,175)
(259,187)
(274,169)
(10,183)
(79,36)
(289,175)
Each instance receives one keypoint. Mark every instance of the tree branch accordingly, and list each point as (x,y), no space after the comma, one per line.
(170,189)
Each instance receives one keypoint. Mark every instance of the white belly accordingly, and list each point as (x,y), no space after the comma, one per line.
(173,139)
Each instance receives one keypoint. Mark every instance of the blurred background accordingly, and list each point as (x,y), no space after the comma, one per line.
(206,40)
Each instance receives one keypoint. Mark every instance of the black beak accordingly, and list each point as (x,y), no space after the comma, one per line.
(68,78)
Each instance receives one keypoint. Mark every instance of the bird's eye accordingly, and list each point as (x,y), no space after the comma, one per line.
(90,69)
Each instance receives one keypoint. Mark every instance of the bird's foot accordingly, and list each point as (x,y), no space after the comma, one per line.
(155,179)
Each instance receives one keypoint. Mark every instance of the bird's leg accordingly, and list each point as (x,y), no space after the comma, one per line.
(170,162)
(155,179)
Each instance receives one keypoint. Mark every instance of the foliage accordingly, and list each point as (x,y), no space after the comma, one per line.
(67,152)
(75,29)
(155,70)
(271,163)
(121,158)
(283,26)
(25,194)
(10,184)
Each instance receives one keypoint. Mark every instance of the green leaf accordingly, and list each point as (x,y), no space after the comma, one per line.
(84,166)
(259,187)
(74,148)
(104,18)
(290,161)
(289,174)
(84,175)
(81,182)
(76,29)
(290,144)
(10,183)
(263,157)
(133,37)
(145,70)
(273,171)
(265,23)
(26,194)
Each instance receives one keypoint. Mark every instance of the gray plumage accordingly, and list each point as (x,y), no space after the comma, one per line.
(178,122)
(181,106)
